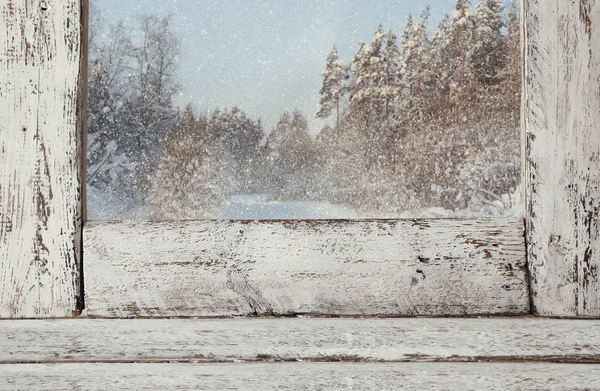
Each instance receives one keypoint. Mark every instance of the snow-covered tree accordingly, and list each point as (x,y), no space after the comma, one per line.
(106,88)
(513,20)
(513,45)
(187,183)
(416,55)
(375,68)
(332,90)
(489,51)
(459,42)
(148,113)
(103,161)
(291,157)
(410,45)
(237,145)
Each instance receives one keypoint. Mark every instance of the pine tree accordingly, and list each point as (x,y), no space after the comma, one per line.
(416,44)
(291,155)
(512,20)
(332,90)
(441,69)
(489,52)
(187,184)
(418,75)
(238,139)
(375,69)
(410,43)
(459,43)
(424,52)
(513,70)
(342,166)
(392,60)
(513,39)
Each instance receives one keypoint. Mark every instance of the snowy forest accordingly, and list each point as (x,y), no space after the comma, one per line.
(422,123)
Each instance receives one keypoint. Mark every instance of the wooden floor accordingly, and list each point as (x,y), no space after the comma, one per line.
(300,353)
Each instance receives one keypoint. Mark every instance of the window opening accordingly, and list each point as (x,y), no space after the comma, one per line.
(311,110)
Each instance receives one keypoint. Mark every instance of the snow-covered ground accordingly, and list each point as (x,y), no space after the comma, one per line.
(260,207)
(104,206)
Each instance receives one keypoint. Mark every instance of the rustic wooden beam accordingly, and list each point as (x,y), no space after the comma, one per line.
(41,84)
(379,267)
(562,144)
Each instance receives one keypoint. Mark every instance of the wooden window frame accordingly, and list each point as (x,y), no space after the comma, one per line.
(212,268)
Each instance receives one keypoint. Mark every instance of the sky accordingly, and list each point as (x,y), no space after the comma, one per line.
(266,56)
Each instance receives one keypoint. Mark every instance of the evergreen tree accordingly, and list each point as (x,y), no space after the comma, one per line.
(375,98)
(186,184)
(333,87)
(513,40)
(489,52)
(512,71)
(512,20)
(410,44)
(416,52)
(291,154)
(441,68)
(375,69)
(459,42)
(238,141)
(424,53)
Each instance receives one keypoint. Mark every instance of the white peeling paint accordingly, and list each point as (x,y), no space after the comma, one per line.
(302,376)
(303,339)
(216,268)
(562,123)
(40,62)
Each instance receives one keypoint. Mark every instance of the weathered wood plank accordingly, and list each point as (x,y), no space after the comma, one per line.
(216,268)
(588,121)
(301,376)
(40,92)
(300,339)
(562,117)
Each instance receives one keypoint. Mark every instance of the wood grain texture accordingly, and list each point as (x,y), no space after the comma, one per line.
(301,376)
(562,121)
(222,268)
(300,339)
(40,80)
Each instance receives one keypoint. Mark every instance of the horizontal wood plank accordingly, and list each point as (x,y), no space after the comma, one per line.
(301,376)
(300,339)
(387,267)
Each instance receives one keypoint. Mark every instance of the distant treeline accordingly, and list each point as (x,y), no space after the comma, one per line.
(424,120)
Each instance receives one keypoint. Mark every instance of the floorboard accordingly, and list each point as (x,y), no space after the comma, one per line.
(300,339)
(301,376)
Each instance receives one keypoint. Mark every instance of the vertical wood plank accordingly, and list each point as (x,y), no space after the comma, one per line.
(41,77)
(562,125)
(589,156)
